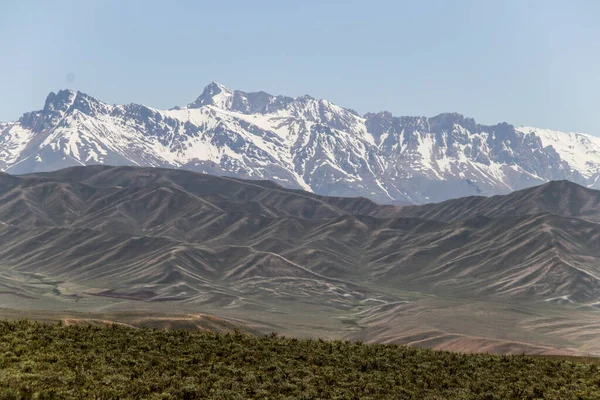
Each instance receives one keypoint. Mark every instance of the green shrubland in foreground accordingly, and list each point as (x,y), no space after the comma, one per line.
(54,361)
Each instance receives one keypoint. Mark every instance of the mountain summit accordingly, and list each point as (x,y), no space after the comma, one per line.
(301,143)
(214,94)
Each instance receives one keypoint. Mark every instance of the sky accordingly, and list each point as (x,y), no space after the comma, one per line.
(533,62)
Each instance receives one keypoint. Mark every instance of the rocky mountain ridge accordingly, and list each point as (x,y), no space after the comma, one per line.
(301,143)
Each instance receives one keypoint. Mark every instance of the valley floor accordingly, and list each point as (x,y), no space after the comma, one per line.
(394,317)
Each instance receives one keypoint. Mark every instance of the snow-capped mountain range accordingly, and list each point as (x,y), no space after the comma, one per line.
(302,143)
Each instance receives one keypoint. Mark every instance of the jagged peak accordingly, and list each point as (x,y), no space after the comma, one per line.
(217,83)
(451,117)
(64,99)
(214,85)
(447,121)
(60,101)
(454,115)
(214,94)
(221,96)
(305,97)
(380,114)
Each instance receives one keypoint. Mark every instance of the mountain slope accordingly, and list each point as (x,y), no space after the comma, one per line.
(562,198)
(300,143)
(99,238)
(465,244)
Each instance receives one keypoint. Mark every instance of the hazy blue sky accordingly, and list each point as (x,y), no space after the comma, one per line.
(524,62)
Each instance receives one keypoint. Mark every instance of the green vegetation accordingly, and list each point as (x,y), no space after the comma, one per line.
(84,361)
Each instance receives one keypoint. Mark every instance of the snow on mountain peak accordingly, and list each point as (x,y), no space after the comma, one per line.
(214,94)
(302,143)
(580,150)
(60,101)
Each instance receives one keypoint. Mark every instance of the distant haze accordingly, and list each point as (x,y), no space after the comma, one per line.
(526,62)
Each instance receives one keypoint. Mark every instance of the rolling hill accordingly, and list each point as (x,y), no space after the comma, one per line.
(519,272)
